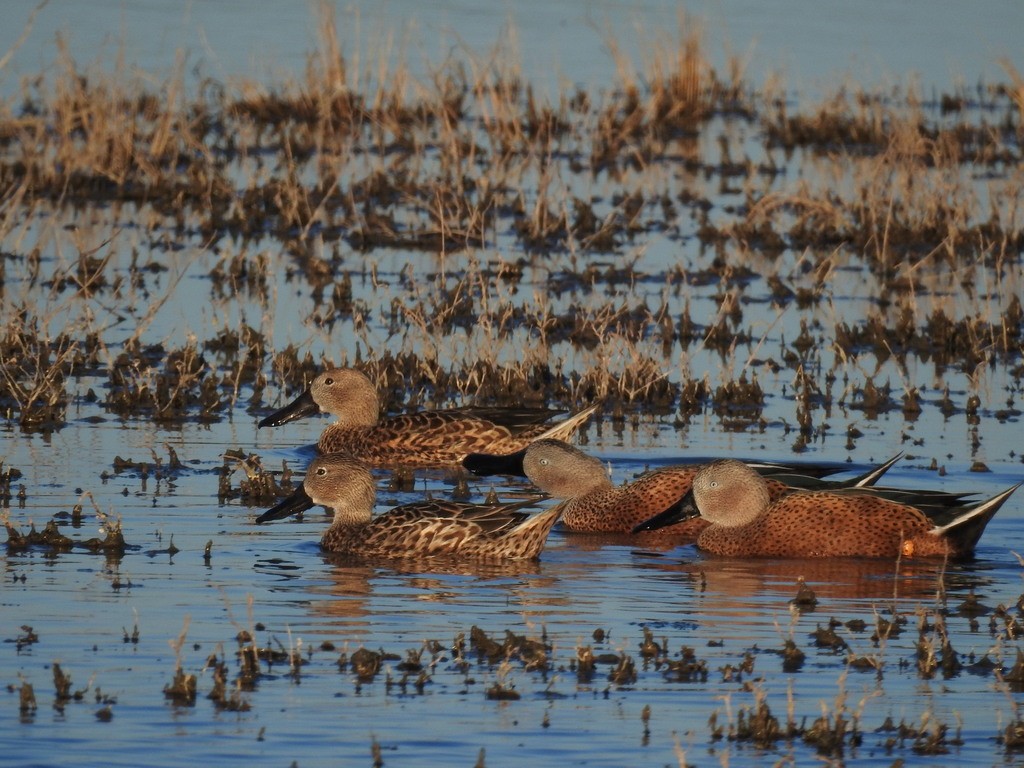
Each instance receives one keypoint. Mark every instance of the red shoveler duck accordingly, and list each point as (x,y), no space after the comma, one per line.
(593,504)
(745,521)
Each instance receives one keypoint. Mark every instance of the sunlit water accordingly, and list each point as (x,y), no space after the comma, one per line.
(274,582)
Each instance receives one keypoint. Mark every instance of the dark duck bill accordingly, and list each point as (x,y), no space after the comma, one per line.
(303,405)
(297,502)
(684,509)
(496,464)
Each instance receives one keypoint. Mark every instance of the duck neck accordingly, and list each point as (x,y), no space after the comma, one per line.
(741,505)
(594,483)
(357,509)
(361,411)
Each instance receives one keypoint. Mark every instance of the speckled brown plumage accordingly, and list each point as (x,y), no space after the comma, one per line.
(427,438)
(746,522)
(424,529)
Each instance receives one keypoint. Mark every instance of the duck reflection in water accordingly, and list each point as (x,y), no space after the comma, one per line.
(751,587)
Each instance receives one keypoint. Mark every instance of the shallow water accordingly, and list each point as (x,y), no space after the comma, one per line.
(811,48)
(273,581)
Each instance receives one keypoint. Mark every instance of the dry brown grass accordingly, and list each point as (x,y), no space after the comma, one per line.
(525,220)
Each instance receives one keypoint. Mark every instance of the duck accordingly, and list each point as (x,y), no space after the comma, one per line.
(593,504)
(422,439)
(432,528)
(745,521)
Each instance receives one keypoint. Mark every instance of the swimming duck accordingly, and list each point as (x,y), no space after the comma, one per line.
(423,529)
(427,438)
(746,522)
(593,504)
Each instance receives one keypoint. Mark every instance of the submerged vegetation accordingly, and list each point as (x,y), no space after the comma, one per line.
(680,245)
(557,249)
(536,672)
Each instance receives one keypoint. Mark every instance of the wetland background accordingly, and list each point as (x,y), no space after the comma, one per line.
(806,250)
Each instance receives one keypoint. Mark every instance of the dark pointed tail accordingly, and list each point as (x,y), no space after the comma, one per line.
(967,528)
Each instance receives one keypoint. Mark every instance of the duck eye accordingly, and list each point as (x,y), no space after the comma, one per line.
(713,484)
(321,471)
(544,462)
(329,381)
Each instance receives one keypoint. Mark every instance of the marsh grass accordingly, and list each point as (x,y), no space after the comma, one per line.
(525,221)
(676,246)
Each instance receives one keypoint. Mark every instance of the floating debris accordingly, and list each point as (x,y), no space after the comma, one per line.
(26,699)
(499,692)
(624,672)
(26,639)
(792,657)
(826,637)
(687,668)
(259,487)
(182,689)
(805,599)
(112,544)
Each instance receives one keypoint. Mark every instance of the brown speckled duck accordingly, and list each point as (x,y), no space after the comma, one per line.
(746,522)
(427,438)
(593,504)
(423,529)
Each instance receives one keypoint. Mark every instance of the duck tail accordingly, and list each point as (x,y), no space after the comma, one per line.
(965,530)
(566,428)
(527,539)
(874,474)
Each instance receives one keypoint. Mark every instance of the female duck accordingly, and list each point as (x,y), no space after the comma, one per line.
(427,438)
(423,529)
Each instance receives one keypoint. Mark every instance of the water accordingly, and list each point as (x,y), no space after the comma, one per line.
(811,49)
(273,582)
